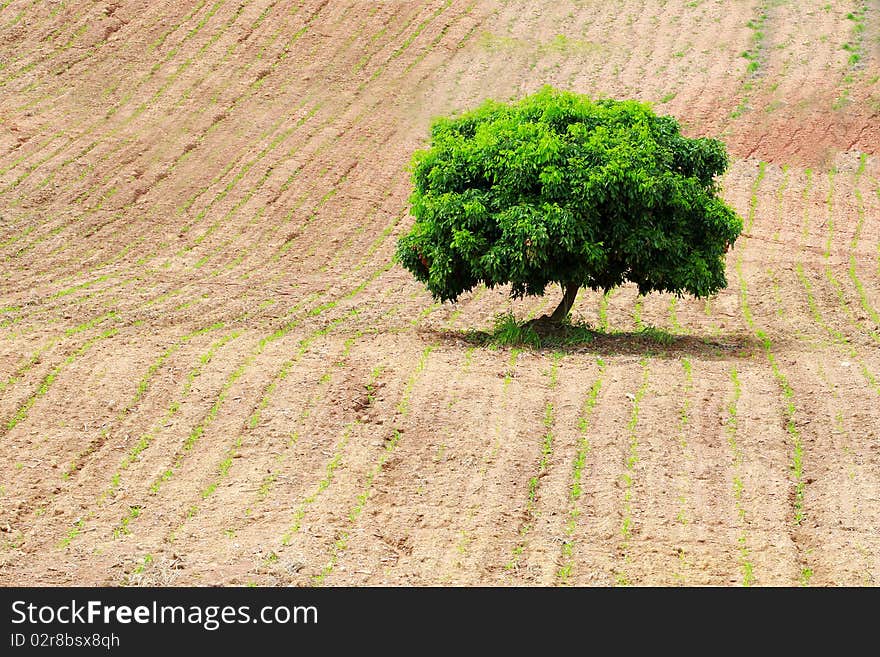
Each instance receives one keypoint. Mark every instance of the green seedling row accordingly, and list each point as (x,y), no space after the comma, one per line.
(24,156)
(805,231)
(687,455)
(584,447)
(603,310)
(29,170)
(22,412)
(780,197)
(830,221)
(329,469)
(131,117)
(143,386)
(856,44)
(621,578)
(865,303)
(36,357)
(844,304)
(318,392)
(747,567)
(837,336)
(440,35)
(789,408)
(232,452)
(638,306)
(409,40)
(202,426)
(84,285)
(530,509)
(341,543)
(365,59)
(338,451)
(157,43)
(146,439)
(677,328)
(101,122)
(77,33)
(753,199)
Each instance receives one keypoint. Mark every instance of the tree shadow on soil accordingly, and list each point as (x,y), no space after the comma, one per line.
(543,335)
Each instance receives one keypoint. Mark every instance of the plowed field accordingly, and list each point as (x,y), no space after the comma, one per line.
(212,373)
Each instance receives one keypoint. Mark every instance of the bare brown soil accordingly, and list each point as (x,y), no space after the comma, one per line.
(211,373)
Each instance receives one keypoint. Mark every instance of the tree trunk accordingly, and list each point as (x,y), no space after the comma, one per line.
(570,291)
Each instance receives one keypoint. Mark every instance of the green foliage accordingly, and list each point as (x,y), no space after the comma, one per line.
(559,188)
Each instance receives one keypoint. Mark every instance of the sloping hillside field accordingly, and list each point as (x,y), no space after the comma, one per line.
(211,372)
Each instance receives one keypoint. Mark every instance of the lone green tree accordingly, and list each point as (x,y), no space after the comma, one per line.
(561,189)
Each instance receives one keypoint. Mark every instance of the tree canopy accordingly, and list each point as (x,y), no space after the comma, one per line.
(560,188)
